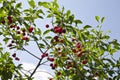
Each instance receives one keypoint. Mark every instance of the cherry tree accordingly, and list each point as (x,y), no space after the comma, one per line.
(72,52)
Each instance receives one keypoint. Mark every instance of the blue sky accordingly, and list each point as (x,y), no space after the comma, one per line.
(85,10)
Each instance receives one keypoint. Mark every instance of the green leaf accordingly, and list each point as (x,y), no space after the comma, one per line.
(97,18)
(49,15)
(6,40)
(32,3)
(46,32)
(1,33)
(44,4)
(77,22)
(103,19)
(48,37)
(41,45)
(87,26)
(18,5)
(68,12)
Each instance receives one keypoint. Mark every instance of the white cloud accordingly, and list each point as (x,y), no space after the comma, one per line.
(39,75)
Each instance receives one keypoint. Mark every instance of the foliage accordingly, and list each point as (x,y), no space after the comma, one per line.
(74,53)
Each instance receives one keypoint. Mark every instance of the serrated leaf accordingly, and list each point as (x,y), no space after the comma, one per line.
(32,3)
(46,32)
(103,19)
(97,18)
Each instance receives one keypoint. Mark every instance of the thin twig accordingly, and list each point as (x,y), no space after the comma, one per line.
(36,68)
(31,53)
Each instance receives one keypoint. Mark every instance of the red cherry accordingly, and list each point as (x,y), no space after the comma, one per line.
(12,41)
(84,61)
(9,45)
(50,59)
(58,48)
(51,64)
(25,38)
(79,54)
(73,39)
(78,45)
(74,50)
(46,54)
(17,58)
(30,29)
(53,67)
(18,32)
(14,55)
(56,37)
(47,26)
(43,55)
(9,19)
(23,33)
(23,30)
(18,27)
(58,29)
(12,26)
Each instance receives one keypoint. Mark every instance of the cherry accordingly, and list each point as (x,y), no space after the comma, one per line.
(43,55)
(79,54)
(78,45)
(14,55)
(84,61)
(51,64)
(55,37)
(74,50)
(30,29)
(47,26)
(23,30)
(9,19)
(53,67)
(23,33)
(57,29)
(58,48)
(12,41)
(25,38)
(12,26)
(18,27)
(17,58)
(50,59)
(9,45)
(46,54)
(18,32)
(73,39)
